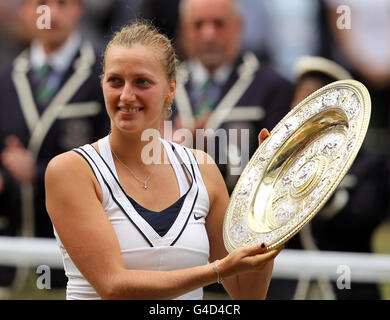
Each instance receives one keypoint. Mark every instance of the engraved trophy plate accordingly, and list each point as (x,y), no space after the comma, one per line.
(298,167)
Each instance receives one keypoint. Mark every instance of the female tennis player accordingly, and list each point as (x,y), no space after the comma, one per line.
(131,228)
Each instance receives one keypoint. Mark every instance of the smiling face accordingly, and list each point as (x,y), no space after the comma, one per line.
(136,88)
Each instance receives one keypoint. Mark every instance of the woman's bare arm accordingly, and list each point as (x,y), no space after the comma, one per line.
(254,266)
(73,198)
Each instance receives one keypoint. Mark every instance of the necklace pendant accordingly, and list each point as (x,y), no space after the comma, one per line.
(145,186)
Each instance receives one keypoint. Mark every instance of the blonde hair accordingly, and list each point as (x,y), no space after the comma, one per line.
(144,33)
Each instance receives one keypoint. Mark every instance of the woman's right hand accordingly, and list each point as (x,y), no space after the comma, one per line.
(246,259)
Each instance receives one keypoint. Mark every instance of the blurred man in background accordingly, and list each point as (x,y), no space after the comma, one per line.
(50,102)
(221,87)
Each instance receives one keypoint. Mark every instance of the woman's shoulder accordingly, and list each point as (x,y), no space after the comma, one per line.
(63,162)
(70,162)
(208,168)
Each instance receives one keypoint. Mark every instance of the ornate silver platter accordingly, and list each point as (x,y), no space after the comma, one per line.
(297,168)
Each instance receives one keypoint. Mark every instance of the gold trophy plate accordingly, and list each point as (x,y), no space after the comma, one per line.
(294,172)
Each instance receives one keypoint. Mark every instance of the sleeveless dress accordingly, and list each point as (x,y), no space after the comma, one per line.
(174,238)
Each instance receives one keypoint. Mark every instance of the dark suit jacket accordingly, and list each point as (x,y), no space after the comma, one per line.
(254,97)
(75,116)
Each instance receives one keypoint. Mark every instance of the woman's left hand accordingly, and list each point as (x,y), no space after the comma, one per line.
(264,134)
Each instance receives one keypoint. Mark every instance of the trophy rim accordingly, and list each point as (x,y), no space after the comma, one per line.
(232,213)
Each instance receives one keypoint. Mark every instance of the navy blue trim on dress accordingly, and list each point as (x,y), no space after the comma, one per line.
(192,166)
(160,221)
(181,161)
(195,159)
(75,150)
(116,180)
(196,196)
(192,182)
(112,194)
(188,218)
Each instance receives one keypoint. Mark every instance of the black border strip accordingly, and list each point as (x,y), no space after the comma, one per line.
(78,152)
(191,186)
(195,199)
(188,218)
(181,161)
(113,197)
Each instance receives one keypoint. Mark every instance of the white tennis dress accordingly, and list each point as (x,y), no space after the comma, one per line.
(184,245)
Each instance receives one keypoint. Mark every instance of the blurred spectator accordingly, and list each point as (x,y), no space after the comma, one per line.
(51,101)
(222,87)
(356,34)
(12,36)
(349,219)
(165,16)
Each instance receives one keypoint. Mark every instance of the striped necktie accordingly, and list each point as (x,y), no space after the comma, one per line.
(44,86)
(206,98)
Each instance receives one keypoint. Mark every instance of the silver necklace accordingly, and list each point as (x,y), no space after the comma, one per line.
(144,182)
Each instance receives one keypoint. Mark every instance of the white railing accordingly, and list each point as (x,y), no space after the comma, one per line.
(290,264)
